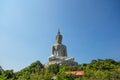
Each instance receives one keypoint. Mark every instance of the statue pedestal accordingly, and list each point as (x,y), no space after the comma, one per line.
(61,61)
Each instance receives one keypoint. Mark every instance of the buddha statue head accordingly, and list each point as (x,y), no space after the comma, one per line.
(58,38)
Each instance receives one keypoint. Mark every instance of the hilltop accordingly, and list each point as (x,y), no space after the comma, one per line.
(100,69)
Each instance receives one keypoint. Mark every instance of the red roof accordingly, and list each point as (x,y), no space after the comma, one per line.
(78,73)
(118,69)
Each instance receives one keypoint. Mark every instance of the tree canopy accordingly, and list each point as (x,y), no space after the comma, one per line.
(99,69)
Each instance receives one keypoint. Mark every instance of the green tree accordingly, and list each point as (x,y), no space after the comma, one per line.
(1,70)
(64,76)
(32,72)
(53,68)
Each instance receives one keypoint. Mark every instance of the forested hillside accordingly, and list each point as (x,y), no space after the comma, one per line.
(100,69)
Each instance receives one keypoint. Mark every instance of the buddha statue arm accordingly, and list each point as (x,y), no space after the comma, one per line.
(53,49)
(65,51)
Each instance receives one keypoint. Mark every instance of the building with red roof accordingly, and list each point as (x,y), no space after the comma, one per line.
(77,73)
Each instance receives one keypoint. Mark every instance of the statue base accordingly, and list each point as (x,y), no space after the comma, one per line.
(61,61)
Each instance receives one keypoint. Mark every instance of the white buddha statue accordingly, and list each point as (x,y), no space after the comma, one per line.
(59,51)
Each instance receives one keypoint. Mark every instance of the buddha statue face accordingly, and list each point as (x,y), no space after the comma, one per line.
(59,39)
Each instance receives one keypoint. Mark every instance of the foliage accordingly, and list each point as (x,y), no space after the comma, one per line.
(8,75)
(1,70)
(64,76)
(68,68)
(53,68)
(100,69)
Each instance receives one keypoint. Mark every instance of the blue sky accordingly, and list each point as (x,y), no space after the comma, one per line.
(90,29)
